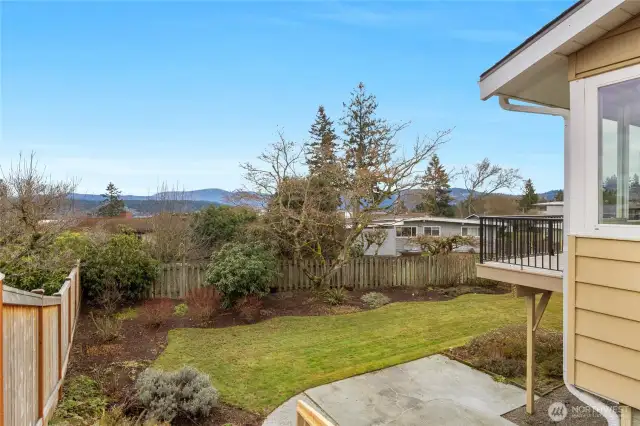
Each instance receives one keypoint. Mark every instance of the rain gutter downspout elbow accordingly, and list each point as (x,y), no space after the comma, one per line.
(603,409)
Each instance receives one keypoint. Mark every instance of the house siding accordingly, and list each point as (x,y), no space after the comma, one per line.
(603,349)
(394,246)
(617,49)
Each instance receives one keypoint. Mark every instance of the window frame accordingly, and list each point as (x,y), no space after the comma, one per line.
(439,228)
(415,233)
(469,226)
(592,155)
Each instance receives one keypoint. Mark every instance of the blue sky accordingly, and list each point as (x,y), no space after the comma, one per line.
(143,92)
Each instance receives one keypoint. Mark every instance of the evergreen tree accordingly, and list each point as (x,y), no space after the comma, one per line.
(559,196)
(112,205)
(321,148)
(529,196)
(437,198)
(367,138)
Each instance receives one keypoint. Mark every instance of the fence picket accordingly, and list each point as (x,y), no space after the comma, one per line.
(177,279)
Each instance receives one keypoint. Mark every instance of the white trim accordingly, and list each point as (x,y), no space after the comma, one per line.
(591,163)
(431,227)
(544,46)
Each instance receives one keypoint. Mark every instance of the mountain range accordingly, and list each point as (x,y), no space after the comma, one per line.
(195,200)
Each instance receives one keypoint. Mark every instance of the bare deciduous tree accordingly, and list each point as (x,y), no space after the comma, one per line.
(375,237)
(296,211)
(172,239)
(34,209)
(484,178)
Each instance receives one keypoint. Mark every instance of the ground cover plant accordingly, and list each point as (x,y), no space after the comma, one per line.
(260,366)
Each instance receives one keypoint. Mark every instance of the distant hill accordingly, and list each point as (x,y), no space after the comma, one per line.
(213,195)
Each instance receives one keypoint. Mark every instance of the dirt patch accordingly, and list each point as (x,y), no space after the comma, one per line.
(578,414)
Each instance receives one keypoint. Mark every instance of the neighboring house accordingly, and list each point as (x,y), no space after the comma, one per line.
(584,66)
(552,208)
(400,229)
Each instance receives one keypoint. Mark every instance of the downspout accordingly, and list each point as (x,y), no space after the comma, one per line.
(606,411)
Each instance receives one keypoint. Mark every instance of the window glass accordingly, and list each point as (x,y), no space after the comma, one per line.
(619,153)
(434,231)
(470,231)
(406,231)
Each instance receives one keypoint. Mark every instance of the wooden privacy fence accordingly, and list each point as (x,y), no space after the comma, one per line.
(35,342)
(370,272)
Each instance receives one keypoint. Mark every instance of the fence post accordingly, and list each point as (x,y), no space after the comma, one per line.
(1,357)
(481,239)
(40,357)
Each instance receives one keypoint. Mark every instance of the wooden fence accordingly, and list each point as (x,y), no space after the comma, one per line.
(370,272)
(35,343)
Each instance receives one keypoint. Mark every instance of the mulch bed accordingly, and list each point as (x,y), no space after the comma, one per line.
(115,365)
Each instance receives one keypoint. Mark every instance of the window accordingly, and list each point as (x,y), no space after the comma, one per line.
(434,231)
(469,231)
(619,153)
(406,231)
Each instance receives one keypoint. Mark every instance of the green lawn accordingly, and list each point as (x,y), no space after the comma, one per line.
(258,367)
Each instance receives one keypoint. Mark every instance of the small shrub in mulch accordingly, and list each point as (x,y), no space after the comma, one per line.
(204,303)
(504,352)
(156,312)
(166,395)
(249,308)
(180,310)
(375,299)
(335,296)
(107,326)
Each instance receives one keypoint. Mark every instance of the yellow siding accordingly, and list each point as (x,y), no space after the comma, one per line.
(604,317)
(617,49)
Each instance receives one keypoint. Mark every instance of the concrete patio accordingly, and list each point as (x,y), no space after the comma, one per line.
(430,391)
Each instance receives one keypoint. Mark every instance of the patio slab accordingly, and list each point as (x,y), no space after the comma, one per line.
(433,390)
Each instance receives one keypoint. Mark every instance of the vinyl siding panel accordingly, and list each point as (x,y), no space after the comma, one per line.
(604,317)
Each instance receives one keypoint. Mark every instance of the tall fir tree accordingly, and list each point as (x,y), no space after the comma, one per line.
(529,196)
(112,205)
(322,145)
(437,198)
(367,138)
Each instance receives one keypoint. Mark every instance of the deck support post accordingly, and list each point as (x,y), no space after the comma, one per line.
(530,302)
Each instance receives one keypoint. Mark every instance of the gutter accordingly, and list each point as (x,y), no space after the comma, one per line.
(606,411)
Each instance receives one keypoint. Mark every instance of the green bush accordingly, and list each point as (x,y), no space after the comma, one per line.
(335,296)
(121,264)
(239,270)
(375,299)
(217,225)
(181,310)
(167,395)
(82,400)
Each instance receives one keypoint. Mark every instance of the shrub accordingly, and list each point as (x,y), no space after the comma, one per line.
(335,296)
(108,327)
(375,300)
(241,269)
(181,310)
(167,395)
(217,225)
(156,312)
(122,260)
(249,308)
(127,314)
(82,400)
(116,417)
(204,302)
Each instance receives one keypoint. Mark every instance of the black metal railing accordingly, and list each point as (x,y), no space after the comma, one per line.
(533,241)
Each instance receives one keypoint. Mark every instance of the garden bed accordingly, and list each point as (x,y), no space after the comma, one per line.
(502,353)
(116,364)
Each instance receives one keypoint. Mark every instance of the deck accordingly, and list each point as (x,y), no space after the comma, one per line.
(521,272)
